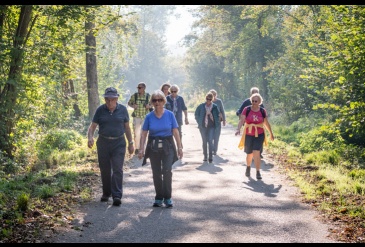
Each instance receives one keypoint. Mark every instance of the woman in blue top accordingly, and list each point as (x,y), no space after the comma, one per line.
(161,127)
(207,117)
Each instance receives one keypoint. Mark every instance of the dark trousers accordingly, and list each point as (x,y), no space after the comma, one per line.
(217,133)
(207,138)
(111,155)
(161,165)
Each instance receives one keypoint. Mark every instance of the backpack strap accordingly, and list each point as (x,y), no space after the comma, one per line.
(248,110)
(147,98)
(261,110)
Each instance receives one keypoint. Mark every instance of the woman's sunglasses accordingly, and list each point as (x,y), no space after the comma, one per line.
(157,100)
(208,99)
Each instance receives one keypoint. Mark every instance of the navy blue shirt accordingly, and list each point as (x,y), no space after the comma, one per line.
(180,107)
(111,124)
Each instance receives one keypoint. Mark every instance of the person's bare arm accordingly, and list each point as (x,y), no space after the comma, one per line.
(268,127)
(186,117)
(176,134)
(90,134)
(142,143)
(240,123)
(128,134)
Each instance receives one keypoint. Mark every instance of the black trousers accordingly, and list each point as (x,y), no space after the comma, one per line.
(161,165)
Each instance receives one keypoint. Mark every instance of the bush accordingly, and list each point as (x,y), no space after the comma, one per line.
(58,140)
(7,165)
(323,157)
(61,140)
(22,202)
(45,191)
(318,139)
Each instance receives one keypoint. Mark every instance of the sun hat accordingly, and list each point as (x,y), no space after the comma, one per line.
(111,92)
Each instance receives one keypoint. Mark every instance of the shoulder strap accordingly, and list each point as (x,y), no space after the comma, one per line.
(262,112)
(248,110)
(147,97)
(135,97)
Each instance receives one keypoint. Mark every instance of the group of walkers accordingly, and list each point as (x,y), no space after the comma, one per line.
(157,121)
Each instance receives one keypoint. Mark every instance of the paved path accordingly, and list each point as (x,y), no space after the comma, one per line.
(213,203)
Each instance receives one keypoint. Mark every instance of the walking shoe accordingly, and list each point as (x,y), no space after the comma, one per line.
(168,203)
(210,160)
(205,159)
(116,201)
(248,171)
(104,198)
(157,203)
(261,156)
(258,175)
(136,152)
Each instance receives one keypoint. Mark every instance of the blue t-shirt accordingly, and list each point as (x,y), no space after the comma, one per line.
(160,126)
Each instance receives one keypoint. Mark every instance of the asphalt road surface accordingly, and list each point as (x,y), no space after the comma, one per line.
(213,203)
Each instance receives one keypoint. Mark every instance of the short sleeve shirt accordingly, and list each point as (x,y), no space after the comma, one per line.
(254,118)
(111,124)
(161,127)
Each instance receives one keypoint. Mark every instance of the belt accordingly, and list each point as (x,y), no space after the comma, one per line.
(111,137)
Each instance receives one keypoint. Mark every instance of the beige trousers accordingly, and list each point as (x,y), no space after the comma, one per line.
(137,129)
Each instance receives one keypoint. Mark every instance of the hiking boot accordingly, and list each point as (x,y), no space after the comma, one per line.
(116,201)
(248,171)
(104,198)
(258,175)
(168,203)
(157,203)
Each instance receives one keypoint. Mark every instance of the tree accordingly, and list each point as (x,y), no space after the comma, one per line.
(8,95)
(91,69)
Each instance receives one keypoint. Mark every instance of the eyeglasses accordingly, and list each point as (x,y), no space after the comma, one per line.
(208,99)
(255,101)
(157,100)
(139,87)
(173,91)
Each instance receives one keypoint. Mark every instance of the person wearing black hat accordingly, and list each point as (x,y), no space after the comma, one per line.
(113,121)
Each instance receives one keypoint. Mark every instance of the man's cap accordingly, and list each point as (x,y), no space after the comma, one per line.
(111,92)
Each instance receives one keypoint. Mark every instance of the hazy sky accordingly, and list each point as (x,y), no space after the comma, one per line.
(178,28)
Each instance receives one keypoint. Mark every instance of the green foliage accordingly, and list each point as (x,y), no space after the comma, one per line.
(322,157)
(22,201)
(59,139)
(7,165)
(357,174)
(45,191)
(318,139)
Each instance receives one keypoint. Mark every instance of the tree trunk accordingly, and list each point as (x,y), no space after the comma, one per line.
(8,95)
(91,70)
